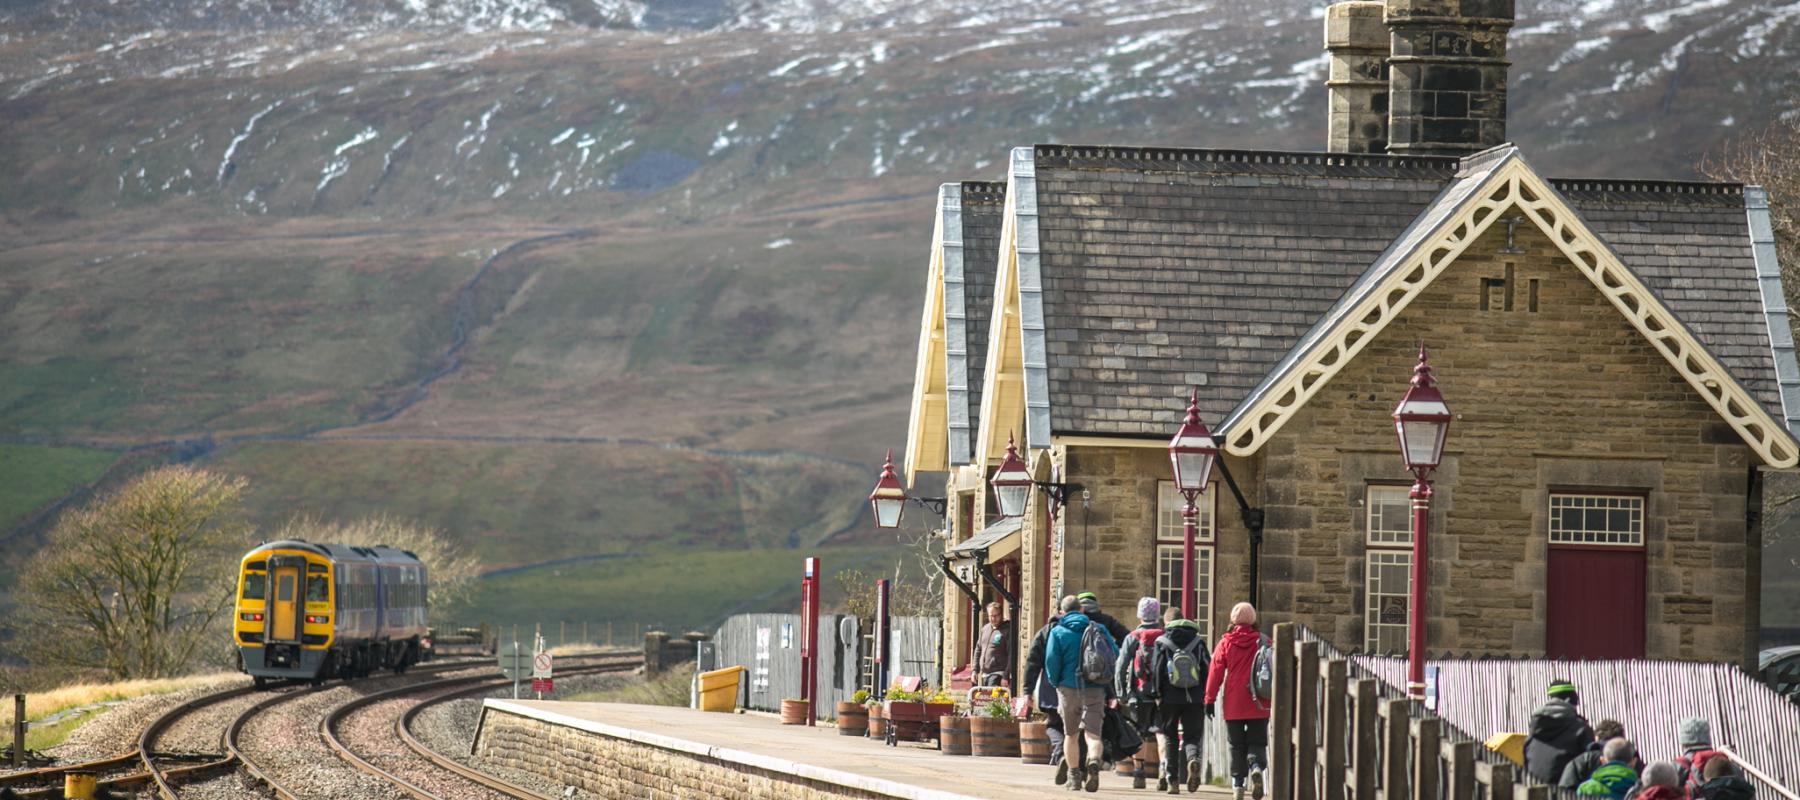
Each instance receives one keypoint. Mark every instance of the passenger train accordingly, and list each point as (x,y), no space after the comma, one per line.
(313,612)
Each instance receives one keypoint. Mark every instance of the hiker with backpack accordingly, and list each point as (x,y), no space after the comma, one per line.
(1037,685)
(1181,666)
(1699,758)
(1240,674)
(1080,659)
(1135,681)
(1558,733)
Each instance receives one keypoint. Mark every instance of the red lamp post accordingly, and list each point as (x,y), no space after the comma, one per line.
(1192,455)
(1421,421)
(1012,482)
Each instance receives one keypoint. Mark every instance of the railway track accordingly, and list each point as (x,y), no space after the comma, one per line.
(150,768)
(359,734)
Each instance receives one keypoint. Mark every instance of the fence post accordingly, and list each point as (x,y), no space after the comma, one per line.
(1306,724)
(1363,740)
(1531,792)
(1500,782)
(609,633)
(1425,757)
(1336,742)
(18,753)
(1281,721)
(1462,771)
(1393,747)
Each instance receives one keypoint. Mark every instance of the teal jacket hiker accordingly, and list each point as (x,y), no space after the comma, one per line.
(1610,780)
(1062,658)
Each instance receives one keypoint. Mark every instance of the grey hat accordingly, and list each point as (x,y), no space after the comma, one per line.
(1695,732)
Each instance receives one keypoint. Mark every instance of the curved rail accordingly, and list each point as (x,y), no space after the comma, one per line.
(481,683)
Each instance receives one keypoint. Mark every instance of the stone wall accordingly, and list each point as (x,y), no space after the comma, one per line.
(611,767)
(1554,391)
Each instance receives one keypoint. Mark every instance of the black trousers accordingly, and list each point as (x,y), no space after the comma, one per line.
(1180,745)
(1249,740)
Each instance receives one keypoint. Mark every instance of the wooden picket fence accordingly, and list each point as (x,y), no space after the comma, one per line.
(1337,732)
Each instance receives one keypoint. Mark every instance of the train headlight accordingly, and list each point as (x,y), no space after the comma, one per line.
(312,620)
(250,617)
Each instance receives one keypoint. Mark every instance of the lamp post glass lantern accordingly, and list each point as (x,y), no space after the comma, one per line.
(1420,421)
(1191,455)
(889,499)
(1012,482)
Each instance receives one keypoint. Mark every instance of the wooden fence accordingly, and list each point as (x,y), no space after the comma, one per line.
(1342,729)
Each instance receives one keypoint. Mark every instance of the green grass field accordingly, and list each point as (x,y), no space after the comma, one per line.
(32,477)
(676,591)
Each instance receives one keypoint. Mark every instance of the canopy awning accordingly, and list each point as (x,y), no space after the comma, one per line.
(997,541)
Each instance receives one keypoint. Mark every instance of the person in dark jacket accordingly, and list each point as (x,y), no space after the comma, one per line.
(1083,704)
(1037,685)
(1180,709)
(1583,766)
(1721,781)
(1134,683)
(1558,733)
(1246,721)
(1090,608)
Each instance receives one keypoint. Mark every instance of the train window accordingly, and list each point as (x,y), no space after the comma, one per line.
(257,565)
(284,589)
(317,590)
(255,585)
(317,568)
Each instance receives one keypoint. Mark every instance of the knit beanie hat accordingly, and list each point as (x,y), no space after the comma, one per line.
(1560,688)
(1149,609)
(1695,732)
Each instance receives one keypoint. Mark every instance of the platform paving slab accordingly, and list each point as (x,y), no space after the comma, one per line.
(820,754)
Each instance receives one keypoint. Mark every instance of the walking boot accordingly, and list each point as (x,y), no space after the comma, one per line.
(1193,773)
(1062,772)
(1237,789)
(1075,781)
(1092,774)
(1137,777)
(1256,784)
(1162,782)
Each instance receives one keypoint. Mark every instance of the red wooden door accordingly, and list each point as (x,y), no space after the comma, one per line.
(1596,603)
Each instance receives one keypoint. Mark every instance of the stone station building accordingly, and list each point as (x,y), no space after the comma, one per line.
(1617,354)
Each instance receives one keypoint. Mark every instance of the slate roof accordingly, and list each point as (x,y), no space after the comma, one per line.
(982,207)
(1136,244)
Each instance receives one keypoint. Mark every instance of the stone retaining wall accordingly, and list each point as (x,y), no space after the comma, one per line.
(617,767)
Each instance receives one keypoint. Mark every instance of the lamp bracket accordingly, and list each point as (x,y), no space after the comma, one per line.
(936,505)
(1058,492)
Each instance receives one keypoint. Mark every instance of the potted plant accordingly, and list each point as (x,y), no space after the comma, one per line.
(953,734)
(853,716)
(993,731)
(795,711)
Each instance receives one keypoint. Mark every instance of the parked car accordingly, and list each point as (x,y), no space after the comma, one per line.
(1780,669)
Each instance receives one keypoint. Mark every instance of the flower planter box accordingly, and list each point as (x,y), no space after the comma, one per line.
(795,712)
(915,722)
(994,736)
(852,719)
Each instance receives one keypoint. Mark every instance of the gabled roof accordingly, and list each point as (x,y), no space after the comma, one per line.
(1491,185)
(953,331)
(968,300)
(1134,245)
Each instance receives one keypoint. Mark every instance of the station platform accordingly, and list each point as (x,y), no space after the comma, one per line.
(819,757)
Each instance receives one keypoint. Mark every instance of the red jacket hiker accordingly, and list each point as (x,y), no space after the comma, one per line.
(1231,671)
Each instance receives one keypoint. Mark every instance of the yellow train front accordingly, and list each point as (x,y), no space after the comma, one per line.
(314,612)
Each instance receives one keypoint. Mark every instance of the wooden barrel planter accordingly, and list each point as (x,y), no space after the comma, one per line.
(1148,752)
(1034,742)
(993,736)
(795,712)
(877,723)
(852,719)
(953,735)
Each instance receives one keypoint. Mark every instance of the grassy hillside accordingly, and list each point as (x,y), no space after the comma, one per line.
(570,285)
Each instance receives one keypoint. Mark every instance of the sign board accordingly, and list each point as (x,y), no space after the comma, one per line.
(515,662)
(540,665)
(543,685)
(1431,688)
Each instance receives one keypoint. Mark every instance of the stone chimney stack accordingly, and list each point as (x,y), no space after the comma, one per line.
(1447,75)
(1357,39)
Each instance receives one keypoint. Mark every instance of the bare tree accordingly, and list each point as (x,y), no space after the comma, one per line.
(450,568)
(134,583)
(1770,158)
